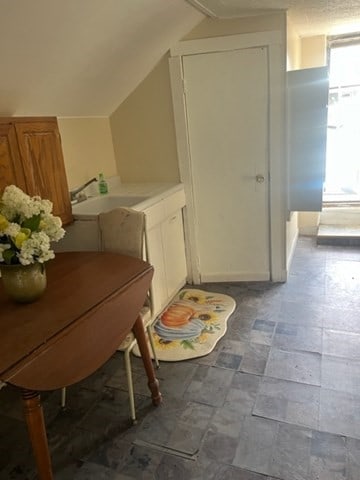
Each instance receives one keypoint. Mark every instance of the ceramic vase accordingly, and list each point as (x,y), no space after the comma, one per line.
(24,283)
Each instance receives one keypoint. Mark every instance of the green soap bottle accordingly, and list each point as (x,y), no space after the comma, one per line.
(103,186)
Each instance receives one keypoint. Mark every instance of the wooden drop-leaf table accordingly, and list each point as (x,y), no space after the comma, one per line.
(91,303)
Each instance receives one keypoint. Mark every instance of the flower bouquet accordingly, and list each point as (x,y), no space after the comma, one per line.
(27,227)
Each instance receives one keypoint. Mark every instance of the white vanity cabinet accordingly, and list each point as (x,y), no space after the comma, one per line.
(166,248)
(164,242)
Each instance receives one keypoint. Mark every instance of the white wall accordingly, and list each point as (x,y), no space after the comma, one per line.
(144,132)
(313,51)
(293,47)
(143,125)
(87,148)
(293,60)
(313,54)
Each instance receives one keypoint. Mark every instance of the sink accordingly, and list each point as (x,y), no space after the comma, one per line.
(96,205)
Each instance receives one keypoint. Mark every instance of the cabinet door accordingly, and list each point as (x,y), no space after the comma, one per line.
(11,170)
(227,99)
(174,253)
(156,258)
(42,159)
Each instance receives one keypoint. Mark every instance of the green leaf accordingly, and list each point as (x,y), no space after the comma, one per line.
(187,344)
(8,256)
(16,219)
(32,223)
(12,243)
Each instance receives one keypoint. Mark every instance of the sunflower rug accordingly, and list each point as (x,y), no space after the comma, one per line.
(191,325)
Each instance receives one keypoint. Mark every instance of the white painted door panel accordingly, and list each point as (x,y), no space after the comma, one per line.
(227,113)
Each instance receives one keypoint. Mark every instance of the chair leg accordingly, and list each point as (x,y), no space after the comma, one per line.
(151,340)
(63,398)
(130,385)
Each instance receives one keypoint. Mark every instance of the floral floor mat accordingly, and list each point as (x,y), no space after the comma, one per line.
(191,325)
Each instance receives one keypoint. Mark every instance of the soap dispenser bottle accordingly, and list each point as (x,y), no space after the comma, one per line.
(103,187)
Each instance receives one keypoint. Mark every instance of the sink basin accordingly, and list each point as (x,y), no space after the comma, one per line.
(96,205)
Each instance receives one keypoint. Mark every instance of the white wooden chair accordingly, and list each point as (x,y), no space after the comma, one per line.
(122,230)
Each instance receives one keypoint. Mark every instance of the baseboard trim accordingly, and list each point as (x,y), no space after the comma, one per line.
(235,277)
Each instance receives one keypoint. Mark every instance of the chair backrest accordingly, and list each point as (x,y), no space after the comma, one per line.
(122,230)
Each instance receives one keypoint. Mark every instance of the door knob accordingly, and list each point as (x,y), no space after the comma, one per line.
(260,178)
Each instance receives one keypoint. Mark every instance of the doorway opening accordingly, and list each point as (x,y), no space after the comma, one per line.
(342,178)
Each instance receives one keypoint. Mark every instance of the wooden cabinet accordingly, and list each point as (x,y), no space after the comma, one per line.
(11,168)
(31,158)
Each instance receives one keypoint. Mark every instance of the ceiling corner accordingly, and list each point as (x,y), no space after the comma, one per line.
(202,8)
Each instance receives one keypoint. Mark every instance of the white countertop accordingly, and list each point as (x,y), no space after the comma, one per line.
(148,193)
(145,189)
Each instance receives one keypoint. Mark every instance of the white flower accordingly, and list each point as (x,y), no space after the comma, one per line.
(35,249)
(46,206)
(12,230)
(27,227)
(15,203)
(52,227)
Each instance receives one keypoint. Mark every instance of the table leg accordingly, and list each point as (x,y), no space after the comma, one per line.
(153,382)
(36,426)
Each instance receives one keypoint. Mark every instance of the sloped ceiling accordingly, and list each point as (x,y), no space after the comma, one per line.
(82,57)
(310,17)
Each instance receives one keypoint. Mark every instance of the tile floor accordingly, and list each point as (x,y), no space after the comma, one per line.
(279,397)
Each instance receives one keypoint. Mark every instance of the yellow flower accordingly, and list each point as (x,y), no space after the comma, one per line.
(203,337)
(164,344)
(20,238)
(207,316)
(194,296)
(3,222)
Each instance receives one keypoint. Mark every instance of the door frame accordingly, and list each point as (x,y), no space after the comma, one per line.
(274,43)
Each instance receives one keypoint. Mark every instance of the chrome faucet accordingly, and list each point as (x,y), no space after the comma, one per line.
(74,193)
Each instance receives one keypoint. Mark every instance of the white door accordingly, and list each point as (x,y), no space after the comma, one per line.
(226,96)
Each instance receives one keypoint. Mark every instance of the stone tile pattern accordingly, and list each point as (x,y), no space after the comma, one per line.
(278,398)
